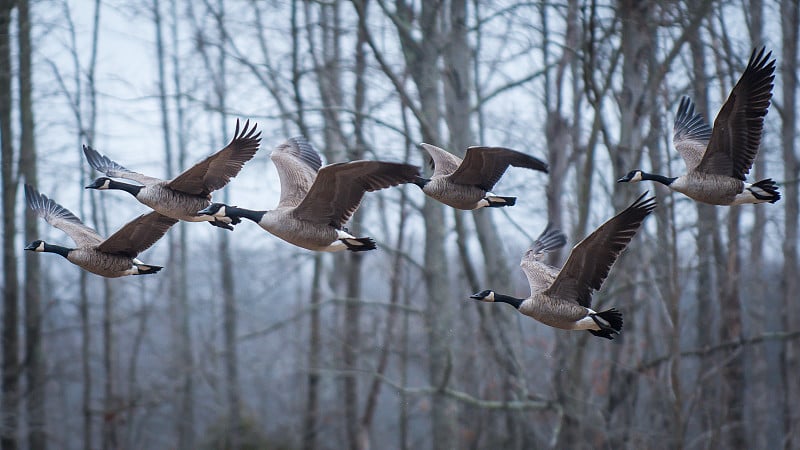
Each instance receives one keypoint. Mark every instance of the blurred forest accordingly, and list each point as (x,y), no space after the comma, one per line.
(246,342)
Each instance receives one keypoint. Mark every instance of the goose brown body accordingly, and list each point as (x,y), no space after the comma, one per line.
(186,194)
(719,159)
(561,298)
(317,201)
(112,257)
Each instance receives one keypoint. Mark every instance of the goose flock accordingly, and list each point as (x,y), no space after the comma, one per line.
(316,202)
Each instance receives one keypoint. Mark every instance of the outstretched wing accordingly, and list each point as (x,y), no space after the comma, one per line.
(690,134)
(61,218)
(541,275)
(297,163)
(137,235)
(444,162)
(483,166)
(338,189)
(590,261)
(737,130)
(217,170)
(105,165)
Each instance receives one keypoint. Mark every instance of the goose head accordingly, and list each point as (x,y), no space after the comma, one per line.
(214,210)
(484,296)
(100,183)
(634,176)
(36,246)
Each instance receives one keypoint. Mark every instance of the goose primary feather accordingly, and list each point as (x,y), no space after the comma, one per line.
(563,298)
(189,192)
(467,184)
(718,159)
(317,201)
(112,257)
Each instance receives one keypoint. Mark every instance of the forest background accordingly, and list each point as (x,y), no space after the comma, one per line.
(244,341)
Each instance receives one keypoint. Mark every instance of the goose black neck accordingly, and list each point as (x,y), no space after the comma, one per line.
(659,178)
(132,189)
(513,301)
(52,248)
(233,212)
(421,182)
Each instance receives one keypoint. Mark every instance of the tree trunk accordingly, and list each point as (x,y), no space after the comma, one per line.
(10,333)
(35,370)
(790,20)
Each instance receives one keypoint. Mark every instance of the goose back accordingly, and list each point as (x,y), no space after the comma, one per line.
(99,263)
(172,203)
(708,188)
(284,223)
(459,196)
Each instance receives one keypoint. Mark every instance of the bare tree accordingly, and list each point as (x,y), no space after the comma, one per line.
(10,333)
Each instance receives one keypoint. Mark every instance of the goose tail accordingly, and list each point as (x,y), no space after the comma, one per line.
(495,201)
(765,191)
(146,269)
(359,244)
(609,321)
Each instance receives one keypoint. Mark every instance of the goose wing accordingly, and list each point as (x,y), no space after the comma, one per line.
(137,235)
(690,134)
(483,166)
(297,163)
(217,170)
(61,218)
(590,261)
(111,168)
(738,127)
(338,189)
(540,275)
(443,162)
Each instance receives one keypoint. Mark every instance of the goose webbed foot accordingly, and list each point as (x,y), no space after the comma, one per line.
(221,224)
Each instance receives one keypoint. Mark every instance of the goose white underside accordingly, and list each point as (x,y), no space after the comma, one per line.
(747,195)
(588,323)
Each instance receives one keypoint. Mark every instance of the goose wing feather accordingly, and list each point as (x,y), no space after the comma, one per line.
(297,163)
(339,188)
(137,235)
(483,166)
(217,170)
(540,275)
(61,218)
(590,260)
(690,134)
(738,127)
(103,164)
(444,163)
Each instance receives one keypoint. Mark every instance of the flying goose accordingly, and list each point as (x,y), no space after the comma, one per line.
(112,257)
(467,184)
(718,160)
(563,298)
(316,202)
(189,192)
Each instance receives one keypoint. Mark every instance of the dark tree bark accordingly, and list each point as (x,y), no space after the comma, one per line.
(35,367)
(790,20)
(10,334)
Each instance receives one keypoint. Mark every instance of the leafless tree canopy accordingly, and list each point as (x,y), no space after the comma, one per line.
(244,341)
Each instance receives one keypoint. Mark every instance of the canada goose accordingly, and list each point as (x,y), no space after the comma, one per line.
(315,203)
(113,257)
(718,160)
(467,184)
(189,192)
(563,298)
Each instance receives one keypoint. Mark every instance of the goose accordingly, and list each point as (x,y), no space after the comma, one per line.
(563,298)
(113,257)
(718,160)
(467,184)
(316,202)
(189,192)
